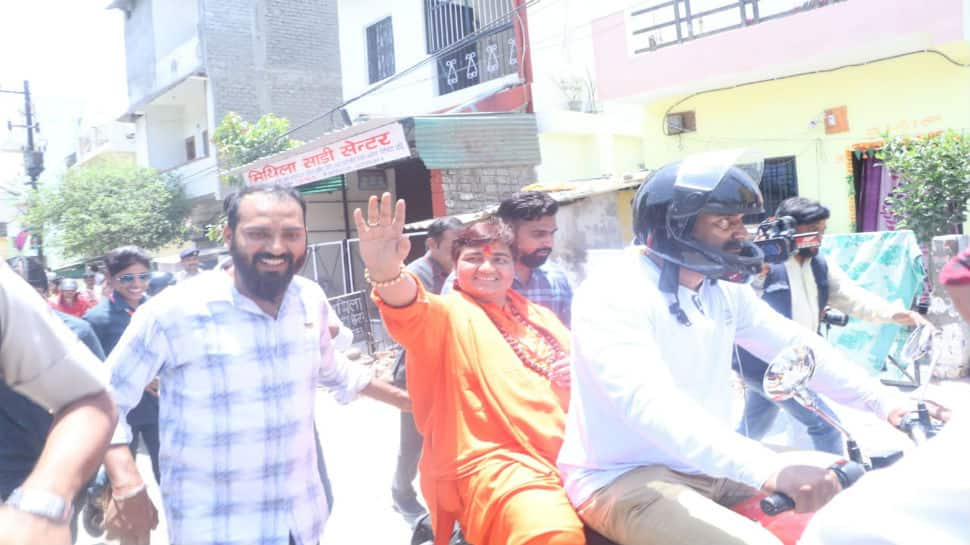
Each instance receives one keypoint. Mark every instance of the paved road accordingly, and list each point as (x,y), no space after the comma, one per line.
(360,445)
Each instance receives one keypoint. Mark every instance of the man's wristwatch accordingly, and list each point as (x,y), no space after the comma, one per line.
(40,503)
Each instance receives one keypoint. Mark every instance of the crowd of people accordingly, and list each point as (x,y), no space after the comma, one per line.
(531,413)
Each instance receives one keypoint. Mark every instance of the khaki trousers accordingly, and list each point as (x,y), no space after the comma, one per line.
(654,505)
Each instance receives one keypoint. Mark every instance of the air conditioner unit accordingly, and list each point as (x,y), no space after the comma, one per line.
(680,122)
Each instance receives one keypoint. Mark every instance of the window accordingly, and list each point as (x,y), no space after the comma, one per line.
(380,50)
(190,148)
(778,182)
(492,55)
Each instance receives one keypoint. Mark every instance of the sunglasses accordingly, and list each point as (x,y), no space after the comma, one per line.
(128,278)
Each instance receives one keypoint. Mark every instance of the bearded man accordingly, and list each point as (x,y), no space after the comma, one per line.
(239,358)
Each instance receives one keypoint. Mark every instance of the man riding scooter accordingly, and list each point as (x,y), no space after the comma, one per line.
(650,453)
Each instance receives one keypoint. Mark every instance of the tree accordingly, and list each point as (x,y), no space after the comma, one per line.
(99,207)
(934,182)
(239,142)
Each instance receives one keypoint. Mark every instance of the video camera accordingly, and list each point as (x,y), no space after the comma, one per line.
(778,241)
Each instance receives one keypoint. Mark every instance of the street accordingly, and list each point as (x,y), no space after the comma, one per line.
(360,445)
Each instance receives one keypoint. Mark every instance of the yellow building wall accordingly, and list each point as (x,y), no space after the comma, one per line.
(627,154)
(909,95)
(568,157)
(577,156)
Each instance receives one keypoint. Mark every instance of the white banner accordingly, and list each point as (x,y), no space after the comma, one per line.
(364,150)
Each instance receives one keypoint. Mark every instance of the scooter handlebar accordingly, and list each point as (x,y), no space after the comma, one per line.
(847,472)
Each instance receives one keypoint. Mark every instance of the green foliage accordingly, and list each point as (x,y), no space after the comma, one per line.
(934,182)
(99,207)
(239,142)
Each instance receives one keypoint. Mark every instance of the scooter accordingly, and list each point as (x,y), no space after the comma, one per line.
(786,378)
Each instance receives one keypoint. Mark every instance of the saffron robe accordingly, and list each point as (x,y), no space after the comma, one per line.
(492,427)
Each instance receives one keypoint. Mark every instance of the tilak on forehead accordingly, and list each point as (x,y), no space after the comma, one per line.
(487,250)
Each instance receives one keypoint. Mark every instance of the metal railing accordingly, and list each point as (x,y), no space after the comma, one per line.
(491,51)
(661,23)
(448,21)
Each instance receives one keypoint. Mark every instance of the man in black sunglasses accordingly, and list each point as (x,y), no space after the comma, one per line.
(128,273)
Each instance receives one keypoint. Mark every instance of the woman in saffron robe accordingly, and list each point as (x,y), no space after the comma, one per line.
(487,372)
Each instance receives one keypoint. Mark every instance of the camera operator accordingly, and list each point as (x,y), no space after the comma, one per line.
(801,288)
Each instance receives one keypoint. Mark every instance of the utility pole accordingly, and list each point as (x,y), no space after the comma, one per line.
(33,158)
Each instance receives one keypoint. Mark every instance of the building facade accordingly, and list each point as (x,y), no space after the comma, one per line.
(190,62)
(813,85)
(417,57)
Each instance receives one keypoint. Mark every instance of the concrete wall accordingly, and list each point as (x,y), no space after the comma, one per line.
(471,189)
(279,56)
(162,46)
(596,223)
(140,51)
(163,132)
(910,95)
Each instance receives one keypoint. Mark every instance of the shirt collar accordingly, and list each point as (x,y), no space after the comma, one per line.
(119,302)
(222,289)
(539,271)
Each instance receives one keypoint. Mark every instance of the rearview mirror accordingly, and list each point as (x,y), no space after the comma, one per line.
(788,372)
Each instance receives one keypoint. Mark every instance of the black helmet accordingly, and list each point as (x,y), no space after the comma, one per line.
(159,281)
(669,201)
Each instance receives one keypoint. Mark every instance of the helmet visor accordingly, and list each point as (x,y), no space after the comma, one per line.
(705,170)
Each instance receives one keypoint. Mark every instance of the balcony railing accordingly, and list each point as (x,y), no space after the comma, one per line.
(662,23)
(486,26)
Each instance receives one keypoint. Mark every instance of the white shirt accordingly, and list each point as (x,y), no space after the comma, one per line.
(647,390)
(924,498)
(844,295)
(238,459)
(184,275)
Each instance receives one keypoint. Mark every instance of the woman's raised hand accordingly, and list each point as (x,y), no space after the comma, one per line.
(383,245)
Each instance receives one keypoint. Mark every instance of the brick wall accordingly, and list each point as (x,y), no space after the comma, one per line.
(471,189)
(273,56)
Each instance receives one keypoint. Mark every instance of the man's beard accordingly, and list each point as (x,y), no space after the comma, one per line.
(732,247)
(269,285)
(808,252)
(536,258)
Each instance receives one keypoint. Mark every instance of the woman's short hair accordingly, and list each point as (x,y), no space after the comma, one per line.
(123,257)
(476,235)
